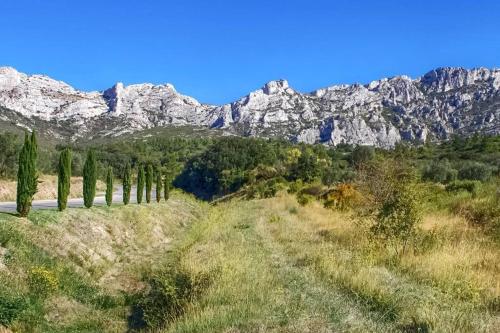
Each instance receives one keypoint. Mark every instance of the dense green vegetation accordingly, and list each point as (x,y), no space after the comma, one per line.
(89,179)
(63,179)
(27,174)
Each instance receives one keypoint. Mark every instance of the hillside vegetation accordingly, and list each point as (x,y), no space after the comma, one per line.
(268,265)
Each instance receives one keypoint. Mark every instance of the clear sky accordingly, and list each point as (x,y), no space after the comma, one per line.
(218,51)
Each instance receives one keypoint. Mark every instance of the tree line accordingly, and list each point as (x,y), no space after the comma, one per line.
(27,179)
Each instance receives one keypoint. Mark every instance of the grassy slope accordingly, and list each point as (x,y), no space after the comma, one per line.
(97,256)
(274,266)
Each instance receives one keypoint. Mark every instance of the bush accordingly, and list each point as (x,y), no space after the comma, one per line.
(10,308)
(170,291)
(470,186)
(304,199)
(344,196)
(439,172)
(474,171)
(361,155)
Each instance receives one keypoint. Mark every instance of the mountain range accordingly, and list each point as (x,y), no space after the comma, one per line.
(441,103)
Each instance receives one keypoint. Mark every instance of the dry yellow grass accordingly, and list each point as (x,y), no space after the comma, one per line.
(47,188)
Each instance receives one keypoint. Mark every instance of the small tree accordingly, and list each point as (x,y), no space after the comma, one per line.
(159,184)
(140,184)
(89,179)
(127,184)
(109,186)
(166,187)
(27,177)
(149,181)
(362,155)
(63,179)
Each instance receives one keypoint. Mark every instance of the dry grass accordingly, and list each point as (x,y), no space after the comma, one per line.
(47,188)
(286,268)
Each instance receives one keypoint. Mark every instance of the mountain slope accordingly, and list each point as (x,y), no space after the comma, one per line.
(443,102)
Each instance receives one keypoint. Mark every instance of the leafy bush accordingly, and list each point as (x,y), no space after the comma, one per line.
(10,308)
(470,186)
(439,172)
(483,213)
(361,155)
(304,199)
(474,171)
(344,196)
(171,290)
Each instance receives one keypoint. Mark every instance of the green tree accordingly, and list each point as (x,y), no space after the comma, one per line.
(89,179)
(140,184)
(159,184)
(166,187)
(63,179)
(149,181)
(109,186)
(127,184)
(27,176)
(362,155)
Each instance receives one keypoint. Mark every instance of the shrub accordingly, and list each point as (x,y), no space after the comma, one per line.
(27,177)
(10,308)
(474,171)
(439,172)
(361,155)
(304,199)
(470,186)
(42,282)
(170,291)
(344,196)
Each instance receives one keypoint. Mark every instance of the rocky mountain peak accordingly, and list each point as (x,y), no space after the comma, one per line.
(443,102)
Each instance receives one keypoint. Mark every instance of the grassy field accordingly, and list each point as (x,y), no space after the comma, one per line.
(268,265)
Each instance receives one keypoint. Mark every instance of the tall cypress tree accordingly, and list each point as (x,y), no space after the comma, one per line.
(27,177)
(140,184)
(127,184)
(149,182)
(109,186)
(158,185)
(166,187)
(89,179)
(63,179)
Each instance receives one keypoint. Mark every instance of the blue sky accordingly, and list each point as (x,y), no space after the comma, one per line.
(218,51)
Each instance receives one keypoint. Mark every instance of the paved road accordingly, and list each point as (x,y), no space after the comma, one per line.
(10,206)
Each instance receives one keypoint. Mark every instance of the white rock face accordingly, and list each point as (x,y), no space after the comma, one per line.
(443,102)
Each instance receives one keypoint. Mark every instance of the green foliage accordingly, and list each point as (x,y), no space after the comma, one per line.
(140,183)
(171,290)
(9,153)
(11,307)
(307,167)
(362,155)
(63,179)
(439,171)
(159,183)
(166,187)
(127,184)
(474,171)
(27,176)
(470,186)
(149,181)
(223,166)
(89,179)
(109,186)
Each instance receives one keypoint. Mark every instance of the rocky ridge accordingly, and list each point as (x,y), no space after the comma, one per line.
(443,102)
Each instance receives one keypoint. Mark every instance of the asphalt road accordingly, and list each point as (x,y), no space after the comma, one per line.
(10,206)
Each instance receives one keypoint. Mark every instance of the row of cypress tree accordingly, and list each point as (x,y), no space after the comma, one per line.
(145,177)
(27,179)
